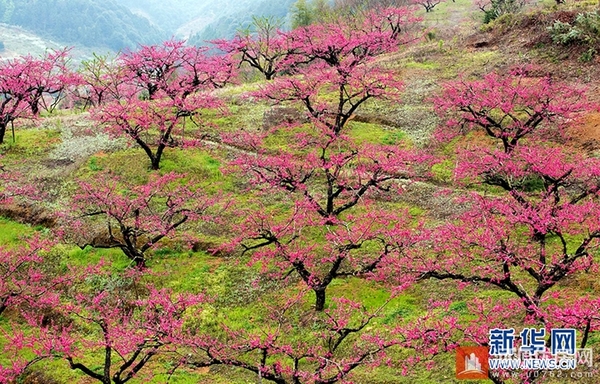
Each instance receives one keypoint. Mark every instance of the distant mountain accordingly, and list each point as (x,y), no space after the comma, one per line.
(17,41)
(225,26)
(170,15)
(97,23)
(205,19)
(120,24)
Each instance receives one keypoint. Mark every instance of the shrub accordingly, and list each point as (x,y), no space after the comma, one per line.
(584,31)
(493,9)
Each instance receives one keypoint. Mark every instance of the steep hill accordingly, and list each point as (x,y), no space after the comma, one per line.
(226,25)
(17,41)
(83,22)
(205,19)
(124,24)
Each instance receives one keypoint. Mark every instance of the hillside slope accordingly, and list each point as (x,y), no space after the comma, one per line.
(58,150)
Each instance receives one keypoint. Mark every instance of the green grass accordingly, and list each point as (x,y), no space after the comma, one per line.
(376,134)
(443,171)
(90,256)
(11,232)
(426,65)
(32,143)
(93,164)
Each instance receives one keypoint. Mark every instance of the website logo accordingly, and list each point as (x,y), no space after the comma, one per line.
(472,363)
(504,356)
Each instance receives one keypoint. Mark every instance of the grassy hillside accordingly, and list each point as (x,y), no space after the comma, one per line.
(56,150)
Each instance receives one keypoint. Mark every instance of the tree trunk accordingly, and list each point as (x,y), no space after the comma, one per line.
(107,361)
(320,299)
(134,255)
(35,108)
(586,333)
(3,126)
(158,155)
(3,305)
(140,262)
(532,309)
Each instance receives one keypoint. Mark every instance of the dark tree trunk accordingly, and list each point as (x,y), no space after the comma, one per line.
(320,299)
(107,362)
(35,108)
(155,165)
(158,156)
(154,159)
(586,333)
(140,262)
(134,255)
(3,305)
(3,126)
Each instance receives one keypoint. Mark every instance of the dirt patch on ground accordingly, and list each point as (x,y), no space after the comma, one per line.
(56,163)
(28,214)
(586,134)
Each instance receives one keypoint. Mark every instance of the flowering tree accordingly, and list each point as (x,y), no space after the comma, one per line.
(174,70)
(23,277)
(544,227)
(340,46)
(152,67)
(154,125)
(157,88)
(525,242)
(341,343)
(201,71)
(322,249)
(26,80)
(510,107)
(262,46)
(137,218)
(48,76)
(581,314)
(120,322)
(323,171)
(14,93)
(353,85)
(341,57)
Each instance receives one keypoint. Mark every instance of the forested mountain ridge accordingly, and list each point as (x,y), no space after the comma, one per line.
(125,24)
(169,15)
(184,18)
(86,22)
(225,26)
